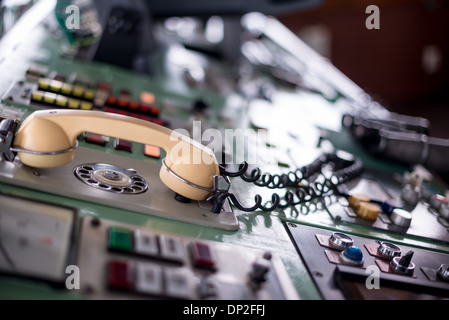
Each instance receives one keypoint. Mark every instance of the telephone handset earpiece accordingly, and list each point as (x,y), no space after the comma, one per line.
(48,138)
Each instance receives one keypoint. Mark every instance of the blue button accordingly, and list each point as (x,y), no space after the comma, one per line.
(389,205)
(352,255)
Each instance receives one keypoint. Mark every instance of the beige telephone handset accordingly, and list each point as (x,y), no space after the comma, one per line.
(48,138)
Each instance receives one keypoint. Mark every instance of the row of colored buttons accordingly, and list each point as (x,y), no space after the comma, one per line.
(146,244)
(101,98)
(76,91)
(151,279)
(149,244)
(134,115)
(121,144)
(126,103)
(60,101)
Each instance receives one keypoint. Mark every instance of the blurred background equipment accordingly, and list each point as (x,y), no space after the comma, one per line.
(403,65)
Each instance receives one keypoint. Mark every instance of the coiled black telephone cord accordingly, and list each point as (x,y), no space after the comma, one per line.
(296,181)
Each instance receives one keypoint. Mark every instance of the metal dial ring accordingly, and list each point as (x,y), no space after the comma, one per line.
(397,267)
(389,250)
(341,240)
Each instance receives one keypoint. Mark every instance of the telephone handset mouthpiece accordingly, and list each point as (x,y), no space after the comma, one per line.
(48,138)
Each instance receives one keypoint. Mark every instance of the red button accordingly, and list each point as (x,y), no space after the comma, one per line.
(144,108)
(155,111)
(125,145)
(111,100)
(133,105)
(122,102)
(95,138)
(120,275)
(202,255)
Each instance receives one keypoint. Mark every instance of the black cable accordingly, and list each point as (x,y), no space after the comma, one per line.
(298,180)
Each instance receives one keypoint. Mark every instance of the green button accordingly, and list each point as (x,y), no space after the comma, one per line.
(120,239)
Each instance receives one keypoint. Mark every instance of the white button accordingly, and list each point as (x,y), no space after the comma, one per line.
(178,283)
(146,243)
(172,248)
(149,278)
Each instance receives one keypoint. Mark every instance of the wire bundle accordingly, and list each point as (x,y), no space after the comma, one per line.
(301,188)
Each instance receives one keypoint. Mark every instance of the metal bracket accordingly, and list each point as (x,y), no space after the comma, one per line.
(7,129)
(222,184)
(10,117)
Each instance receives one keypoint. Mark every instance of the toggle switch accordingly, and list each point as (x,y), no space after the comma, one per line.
(260,268)
(352,255)
(443,272)
(403,265)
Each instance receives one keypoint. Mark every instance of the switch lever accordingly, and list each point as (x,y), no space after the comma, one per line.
(260,268)
(403,265)
(443,272)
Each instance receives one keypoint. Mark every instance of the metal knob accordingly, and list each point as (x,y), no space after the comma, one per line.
(401,218)
(389,250)
(410,196)
(341,240)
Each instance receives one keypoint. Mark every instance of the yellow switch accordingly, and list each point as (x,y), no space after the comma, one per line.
(356,199)
(368,211)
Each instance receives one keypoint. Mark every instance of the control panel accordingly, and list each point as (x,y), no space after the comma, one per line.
(347,266)
(173,170)
(129,262)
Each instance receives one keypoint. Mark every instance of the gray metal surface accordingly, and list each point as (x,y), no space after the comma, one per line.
(158,200)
